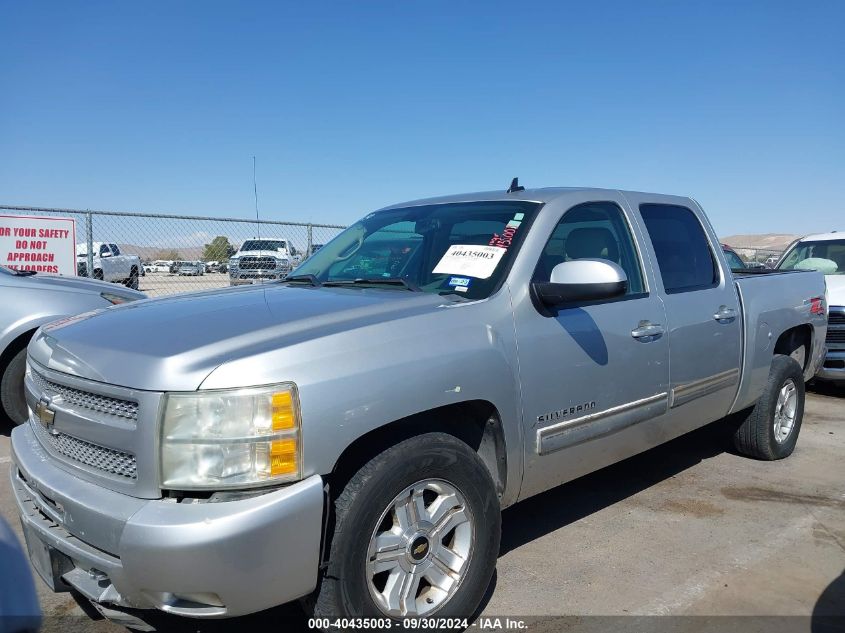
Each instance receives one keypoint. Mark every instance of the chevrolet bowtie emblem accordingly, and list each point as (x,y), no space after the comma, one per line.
(45,414)
(419,549)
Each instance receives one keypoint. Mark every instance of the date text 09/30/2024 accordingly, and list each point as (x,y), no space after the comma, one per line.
(458,624)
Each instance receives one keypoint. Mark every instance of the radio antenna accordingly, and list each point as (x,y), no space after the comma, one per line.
(255,192)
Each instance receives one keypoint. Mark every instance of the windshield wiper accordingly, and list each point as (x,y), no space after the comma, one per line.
(375,281)
(25,273)
(311,279)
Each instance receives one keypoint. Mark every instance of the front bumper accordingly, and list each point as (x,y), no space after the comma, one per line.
(833,367)
(195,559)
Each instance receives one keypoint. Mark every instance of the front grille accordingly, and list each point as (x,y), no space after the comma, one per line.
(835,336)
(836,318)
(87,400)
(92,455)
(257,263)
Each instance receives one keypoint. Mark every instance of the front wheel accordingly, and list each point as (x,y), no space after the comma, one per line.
(770,431)
(12,396)
(417,533)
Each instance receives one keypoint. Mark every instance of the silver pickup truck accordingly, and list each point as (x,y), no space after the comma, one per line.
(350,435)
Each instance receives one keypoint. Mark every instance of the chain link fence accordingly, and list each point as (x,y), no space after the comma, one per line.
(181,253)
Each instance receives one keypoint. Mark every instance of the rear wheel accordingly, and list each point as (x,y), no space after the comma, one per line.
(132,282)
(11,388)
(417,533)
(770,431)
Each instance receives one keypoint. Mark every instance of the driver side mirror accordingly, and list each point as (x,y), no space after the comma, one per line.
(582,280)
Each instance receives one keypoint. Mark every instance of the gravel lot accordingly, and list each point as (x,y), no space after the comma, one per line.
(162,284)
(688,528)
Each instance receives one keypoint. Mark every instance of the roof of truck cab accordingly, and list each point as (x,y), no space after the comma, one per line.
(823,237)
(543,194)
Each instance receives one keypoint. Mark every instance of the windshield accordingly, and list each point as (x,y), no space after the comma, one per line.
(734,261)
(263,245)
(462,248)
(825,256)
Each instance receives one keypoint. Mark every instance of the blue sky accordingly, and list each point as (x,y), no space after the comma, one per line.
(349,106)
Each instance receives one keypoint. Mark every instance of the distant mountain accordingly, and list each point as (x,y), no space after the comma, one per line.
(765,241)
(152,252)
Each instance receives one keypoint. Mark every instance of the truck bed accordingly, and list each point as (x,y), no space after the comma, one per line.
(774,301)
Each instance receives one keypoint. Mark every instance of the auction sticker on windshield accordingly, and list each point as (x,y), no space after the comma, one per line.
(470,260)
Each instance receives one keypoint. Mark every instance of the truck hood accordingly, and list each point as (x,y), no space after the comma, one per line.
(174,343)
(835,289)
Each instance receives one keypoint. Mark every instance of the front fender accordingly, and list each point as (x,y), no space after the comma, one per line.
(356,381)
(23,325)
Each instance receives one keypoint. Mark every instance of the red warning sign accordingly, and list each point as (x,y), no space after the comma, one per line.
(45,245)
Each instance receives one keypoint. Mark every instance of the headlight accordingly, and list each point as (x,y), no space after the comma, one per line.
(233,263)
(238,438)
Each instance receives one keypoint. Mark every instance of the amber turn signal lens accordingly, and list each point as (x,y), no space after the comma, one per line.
(283,457)
(282,411)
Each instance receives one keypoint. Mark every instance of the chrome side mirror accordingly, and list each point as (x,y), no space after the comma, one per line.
(582,280)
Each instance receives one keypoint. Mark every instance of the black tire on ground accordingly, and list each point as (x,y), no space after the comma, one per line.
(755,436)
(132,282)
(98,274)
(343,589)
(11,388)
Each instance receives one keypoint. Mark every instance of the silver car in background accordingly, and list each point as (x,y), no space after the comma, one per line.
(31,300)
(192,269)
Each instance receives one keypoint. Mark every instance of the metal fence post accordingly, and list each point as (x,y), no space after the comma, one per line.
(89,242)
(310,240)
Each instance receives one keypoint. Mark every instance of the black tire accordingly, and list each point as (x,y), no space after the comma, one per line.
(343,589)
(11,388)
(755,436)
(132,282)
(98,274)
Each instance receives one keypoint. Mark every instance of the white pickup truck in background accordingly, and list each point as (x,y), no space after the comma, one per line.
(825,253)
(263,259)
(109,264)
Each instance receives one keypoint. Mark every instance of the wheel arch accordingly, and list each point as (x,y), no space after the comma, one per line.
(20,341)
(475,422)
(792,339)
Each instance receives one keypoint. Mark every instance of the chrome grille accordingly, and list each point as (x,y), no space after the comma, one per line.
(87,400)
(836,318)
(835,336)
(257,263)
(92,455)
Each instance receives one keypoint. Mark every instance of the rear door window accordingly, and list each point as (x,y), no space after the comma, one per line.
(683,251)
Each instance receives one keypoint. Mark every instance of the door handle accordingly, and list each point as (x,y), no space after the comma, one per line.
(725,314)
(647,329)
